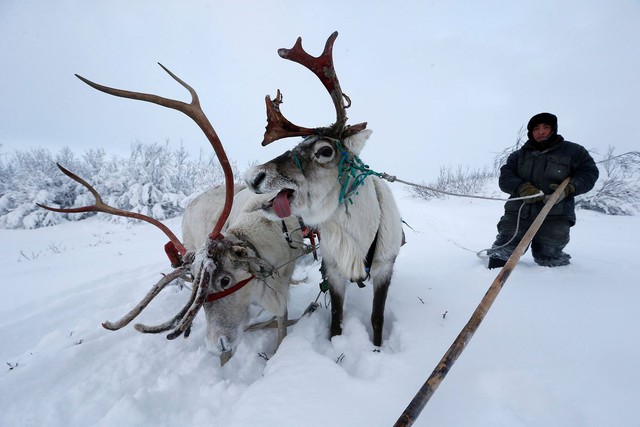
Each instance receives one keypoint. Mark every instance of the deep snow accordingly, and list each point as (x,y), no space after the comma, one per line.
(559,347)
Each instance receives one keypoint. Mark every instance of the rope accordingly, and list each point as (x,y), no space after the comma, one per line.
(479,253)
(351,166)
(392,178)
(306,250)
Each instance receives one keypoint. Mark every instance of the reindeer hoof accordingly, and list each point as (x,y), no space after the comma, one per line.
(225,357)
(337,330)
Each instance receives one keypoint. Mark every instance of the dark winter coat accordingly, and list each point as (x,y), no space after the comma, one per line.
(543,167)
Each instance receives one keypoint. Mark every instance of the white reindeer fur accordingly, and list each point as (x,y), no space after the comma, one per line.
(347,230)
(227,317)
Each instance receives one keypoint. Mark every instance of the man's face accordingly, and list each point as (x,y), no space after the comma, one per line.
(541,132)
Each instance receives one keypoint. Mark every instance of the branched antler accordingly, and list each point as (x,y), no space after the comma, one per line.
(155,290)
(194,111)
(204,267)
(100,206)
(171,323)
(279,127)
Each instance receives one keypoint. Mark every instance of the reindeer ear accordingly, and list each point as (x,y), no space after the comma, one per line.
(240,251)
(244,252)
(355,143)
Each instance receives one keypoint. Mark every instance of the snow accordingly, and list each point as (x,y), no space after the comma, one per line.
(559,347)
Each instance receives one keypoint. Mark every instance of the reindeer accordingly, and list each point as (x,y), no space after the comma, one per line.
(251,262)
(272,255)
(323,181)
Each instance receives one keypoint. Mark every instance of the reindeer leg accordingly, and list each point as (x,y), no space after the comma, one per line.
(282,327)
(336,292)
(337,301)
(381,282)
(377,312)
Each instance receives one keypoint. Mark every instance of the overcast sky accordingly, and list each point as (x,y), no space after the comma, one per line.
(440,83)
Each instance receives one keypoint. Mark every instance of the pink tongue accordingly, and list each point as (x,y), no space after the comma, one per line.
(281,204)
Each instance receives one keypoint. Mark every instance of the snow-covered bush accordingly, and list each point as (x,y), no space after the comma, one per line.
(156,180)
(617,191)
(460,181)
(31,177)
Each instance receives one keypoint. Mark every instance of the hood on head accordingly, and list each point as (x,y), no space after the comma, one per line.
(547,119)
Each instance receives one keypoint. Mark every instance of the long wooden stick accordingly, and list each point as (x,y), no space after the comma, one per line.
(421,398)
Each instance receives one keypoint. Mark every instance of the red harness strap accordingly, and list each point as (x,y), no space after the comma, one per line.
(174,255)
(217,295)
(311,233)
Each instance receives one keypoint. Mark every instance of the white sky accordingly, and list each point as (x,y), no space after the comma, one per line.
(440,83)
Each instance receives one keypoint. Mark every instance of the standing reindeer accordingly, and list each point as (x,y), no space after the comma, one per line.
(323,181)
(250,263)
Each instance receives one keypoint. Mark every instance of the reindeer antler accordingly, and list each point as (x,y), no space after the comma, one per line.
(194,111)
(216,244)
(155,290)
(279,127)
(100,206)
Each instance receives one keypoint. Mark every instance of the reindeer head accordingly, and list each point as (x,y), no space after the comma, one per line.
(310,181)
(224,276)
(321,172)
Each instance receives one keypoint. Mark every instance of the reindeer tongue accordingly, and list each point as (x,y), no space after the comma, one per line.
(281,204)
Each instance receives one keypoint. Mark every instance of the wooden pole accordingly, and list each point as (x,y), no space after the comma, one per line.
(421,398)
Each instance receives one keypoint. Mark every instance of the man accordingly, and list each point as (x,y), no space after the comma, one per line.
(542,163)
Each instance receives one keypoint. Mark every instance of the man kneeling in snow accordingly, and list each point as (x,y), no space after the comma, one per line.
(542,163)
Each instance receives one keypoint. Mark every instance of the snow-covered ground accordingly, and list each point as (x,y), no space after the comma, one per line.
(560,347)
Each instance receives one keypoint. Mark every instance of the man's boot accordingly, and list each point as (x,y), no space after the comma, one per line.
(496,263)
(560,259)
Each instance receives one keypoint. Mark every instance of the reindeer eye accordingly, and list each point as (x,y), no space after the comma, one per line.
(324,153)
(224,282)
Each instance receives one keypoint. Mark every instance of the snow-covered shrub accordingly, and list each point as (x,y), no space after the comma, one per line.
(156,180)
(34,178)
(501,158)
(460,181)
(617,191)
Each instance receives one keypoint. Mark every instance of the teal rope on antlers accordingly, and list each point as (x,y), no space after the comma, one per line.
(351,174)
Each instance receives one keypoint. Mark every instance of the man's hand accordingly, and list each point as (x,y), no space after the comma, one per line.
(568,191)
(528,189)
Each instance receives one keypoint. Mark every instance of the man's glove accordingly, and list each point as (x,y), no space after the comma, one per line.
(568,191)
(528,189)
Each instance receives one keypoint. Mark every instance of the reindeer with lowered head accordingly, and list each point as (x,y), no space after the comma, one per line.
(250,263)
(323,181)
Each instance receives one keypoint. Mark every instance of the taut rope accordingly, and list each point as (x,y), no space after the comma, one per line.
(351,166)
